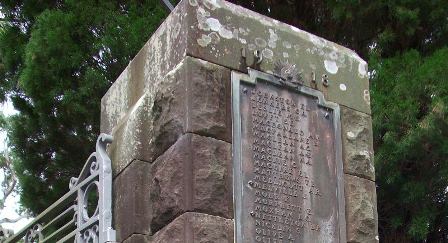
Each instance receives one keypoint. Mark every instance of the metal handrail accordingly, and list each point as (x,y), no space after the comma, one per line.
(68,218)
(168,5)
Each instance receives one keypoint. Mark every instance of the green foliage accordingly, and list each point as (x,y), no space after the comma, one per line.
(57,59)
(410,111)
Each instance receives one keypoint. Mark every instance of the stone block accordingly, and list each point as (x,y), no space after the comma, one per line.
(209,97)
(361,212)
(195,174)
(148,130)
(196,228)
(357,143)
(219,30)
(146,72)
(137,238)
(131,200)
(194,97)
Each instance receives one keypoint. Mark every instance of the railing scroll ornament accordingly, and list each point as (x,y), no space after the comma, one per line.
(84,214)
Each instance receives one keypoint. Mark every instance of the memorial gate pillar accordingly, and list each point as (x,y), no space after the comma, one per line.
(231,126)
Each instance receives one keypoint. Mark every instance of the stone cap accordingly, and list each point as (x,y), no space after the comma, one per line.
(217,31)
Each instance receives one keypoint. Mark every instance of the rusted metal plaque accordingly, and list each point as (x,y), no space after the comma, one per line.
(287,163)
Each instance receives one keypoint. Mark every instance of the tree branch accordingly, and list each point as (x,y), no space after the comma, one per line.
(15,220)
(11,184)
(13,180)
(9,190)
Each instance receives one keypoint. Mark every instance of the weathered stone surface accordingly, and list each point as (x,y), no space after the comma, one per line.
(219,30)
(195,228)
(148,130)
(361,212)
(137,238)
(209,107)
(194,97)
(193,175)
(163,51)
(131,200)
(357,143)
(216,31)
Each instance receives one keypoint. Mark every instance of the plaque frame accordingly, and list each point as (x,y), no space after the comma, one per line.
(251,77)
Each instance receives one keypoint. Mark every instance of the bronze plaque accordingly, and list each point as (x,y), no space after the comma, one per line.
(287,166)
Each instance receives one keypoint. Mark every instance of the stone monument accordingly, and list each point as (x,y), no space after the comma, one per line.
(230,126)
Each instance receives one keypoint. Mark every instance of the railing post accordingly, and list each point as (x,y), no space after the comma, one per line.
(107,233)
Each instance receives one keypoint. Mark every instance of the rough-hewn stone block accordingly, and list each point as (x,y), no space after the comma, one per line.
(195,228)
(361,212)
(209,107)
(357,144)
(146,72)
(131,200)
(137,238)
(193,175)
(194,97)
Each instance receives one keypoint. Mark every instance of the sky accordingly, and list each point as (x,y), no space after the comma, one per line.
(12,202)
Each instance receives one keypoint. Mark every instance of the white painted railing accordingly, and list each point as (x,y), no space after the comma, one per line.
(82,215)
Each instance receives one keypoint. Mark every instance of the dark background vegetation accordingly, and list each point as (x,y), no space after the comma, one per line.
(58,58)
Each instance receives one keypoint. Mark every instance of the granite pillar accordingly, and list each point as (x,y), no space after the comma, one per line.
(170,114)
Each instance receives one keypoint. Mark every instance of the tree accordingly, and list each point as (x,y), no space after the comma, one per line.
(57,59)
(410,111)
